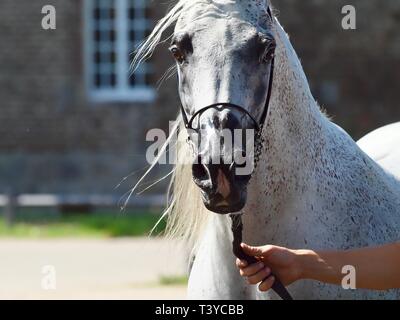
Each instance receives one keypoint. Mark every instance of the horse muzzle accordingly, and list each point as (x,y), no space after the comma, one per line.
(223,191)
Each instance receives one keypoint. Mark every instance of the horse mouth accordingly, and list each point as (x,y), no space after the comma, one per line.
(218,204)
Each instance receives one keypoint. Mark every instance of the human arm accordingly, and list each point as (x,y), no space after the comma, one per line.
(377,268)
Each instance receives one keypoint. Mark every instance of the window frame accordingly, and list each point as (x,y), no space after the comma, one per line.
(123,91)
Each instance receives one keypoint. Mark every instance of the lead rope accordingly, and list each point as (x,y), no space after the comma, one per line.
(237,229)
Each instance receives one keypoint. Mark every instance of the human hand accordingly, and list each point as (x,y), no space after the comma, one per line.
(280,261)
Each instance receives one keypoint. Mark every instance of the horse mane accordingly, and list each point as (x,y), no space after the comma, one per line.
(147,47)
(185,213)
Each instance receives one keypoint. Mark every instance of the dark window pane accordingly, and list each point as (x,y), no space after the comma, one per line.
(97,57)
(96,14)
(112,35)
(113,57)
(113,80)
(112,13)
(149,79)
(97,35)
(132,13)
(132,35)
(97,80)
(132,80)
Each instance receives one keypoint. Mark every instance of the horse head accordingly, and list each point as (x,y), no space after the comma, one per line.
(224,55)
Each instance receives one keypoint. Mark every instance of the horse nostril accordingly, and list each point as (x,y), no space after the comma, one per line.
(200,171)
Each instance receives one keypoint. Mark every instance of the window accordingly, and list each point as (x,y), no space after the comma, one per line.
(114,28)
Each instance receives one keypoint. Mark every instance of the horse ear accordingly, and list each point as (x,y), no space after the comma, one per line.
(267,3)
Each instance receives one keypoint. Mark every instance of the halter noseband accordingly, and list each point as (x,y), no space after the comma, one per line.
(219,107)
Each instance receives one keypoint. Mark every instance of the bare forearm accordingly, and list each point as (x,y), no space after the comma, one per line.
(376,268)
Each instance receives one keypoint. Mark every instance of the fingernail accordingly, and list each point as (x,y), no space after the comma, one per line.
(267,270)
(261,265)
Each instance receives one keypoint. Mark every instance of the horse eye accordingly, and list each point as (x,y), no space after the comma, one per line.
(178,55)
(268,52)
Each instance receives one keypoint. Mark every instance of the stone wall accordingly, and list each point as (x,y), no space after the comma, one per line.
(354,74)
(53,139)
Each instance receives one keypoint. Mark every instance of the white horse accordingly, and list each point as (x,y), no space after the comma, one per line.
(313,186)
(383,145)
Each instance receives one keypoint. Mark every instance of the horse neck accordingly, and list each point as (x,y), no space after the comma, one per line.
(310,169)
(295,125)
(297,138)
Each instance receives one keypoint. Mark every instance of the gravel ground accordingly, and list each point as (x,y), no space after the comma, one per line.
(90,269)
